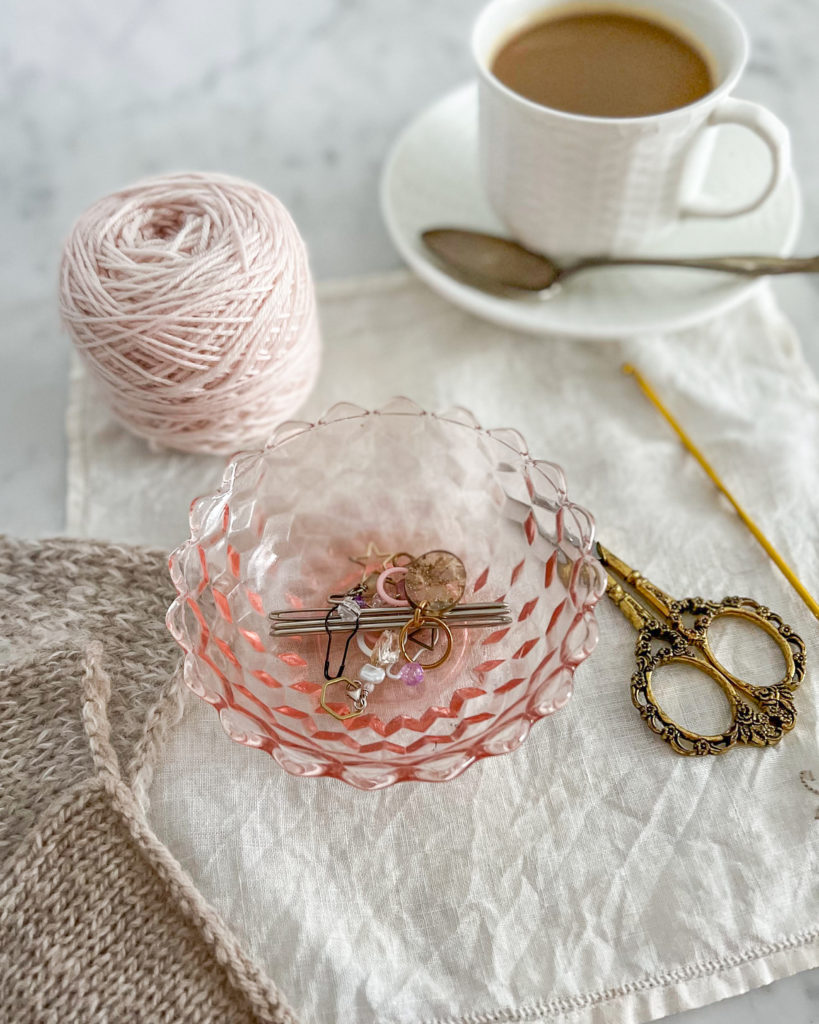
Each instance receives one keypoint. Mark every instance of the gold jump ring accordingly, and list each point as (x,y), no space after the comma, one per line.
(419,621)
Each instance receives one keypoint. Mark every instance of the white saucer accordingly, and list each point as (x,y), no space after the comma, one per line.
(431,179)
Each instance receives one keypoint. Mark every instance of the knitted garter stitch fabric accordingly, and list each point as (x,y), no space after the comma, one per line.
(98,922)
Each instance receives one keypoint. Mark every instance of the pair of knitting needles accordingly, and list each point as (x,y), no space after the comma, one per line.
(756,532)
(315,620)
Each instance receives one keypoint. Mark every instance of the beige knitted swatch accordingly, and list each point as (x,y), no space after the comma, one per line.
(98,923)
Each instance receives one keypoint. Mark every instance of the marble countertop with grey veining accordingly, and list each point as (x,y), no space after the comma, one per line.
(305,99)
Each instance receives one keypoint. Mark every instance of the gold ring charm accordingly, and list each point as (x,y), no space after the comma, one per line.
(421,620)
(350,686)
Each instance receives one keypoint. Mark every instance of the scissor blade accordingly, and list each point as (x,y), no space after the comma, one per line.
(611,561)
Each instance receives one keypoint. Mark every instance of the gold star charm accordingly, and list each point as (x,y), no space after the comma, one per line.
(372,561)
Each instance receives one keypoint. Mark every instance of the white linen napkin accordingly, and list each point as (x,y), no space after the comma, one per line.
(592,875)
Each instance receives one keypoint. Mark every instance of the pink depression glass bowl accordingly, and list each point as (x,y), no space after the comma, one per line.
(280,533)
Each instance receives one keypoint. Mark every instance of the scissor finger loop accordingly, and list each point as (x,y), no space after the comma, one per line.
(745,608)
(759,720)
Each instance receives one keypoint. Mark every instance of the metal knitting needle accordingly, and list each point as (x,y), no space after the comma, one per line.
(396,614)
(318,626)
(401,613)
(296,629)
(316,630)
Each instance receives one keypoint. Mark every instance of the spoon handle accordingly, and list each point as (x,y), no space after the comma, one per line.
(745,266)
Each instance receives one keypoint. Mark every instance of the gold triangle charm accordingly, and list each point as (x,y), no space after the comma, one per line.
(427,646)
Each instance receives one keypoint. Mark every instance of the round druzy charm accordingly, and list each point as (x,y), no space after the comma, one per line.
(435,580)
(412,674)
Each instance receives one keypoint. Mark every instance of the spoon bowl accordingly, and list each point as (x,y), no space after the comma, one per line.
(491,259)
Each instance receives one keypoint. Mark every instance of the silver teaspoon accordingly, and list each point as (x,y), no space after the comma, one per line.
(502,266)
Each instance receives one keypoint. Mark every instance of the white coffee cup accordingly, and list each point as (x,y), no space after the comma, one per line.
(572,185)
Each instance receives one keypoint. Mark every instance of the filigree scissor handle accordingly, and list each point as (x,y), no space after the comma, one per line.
(676,632)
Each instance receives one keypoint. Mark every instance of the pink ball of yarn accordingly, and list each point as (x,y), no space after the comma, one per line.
(190,299)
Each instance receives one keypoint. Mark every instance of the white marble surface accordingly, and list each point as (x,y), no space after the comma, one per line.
(305,99)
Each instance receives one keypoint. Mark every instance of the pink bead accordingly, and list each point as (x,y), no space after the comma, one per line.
(412,674)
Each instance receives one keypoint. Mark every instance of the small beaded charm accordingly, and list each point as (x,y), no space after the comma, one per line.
(386,650)
(412,674)
(370,676)
(348,612)
(348,609)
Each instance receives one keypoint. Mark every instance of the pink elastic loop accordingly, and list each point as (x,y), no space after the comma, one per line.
(395,570)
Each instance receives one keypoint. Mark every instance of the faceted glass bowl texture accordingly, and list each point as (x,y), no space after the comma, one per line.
(280,534)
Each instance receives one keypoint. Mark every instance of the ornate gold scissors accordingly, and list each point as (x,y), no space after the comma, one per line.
(676,632)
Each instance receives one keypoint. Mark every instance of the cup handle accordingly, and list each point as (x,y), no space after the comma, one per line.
(773,133)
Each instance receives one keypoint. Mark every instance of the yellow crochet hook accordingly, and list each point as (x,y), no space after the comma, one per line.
(769,549)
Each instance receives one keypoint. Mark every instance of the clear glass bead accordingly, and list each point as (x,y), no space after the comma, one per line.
(348,610)
(386,651)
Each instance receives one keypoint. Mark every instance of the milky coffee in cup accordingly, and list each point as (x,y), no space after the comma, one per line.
(593,115)
(603,64)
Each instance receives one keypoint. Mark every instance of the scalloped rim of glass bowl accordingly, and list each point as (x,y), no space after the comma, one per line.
(355,773)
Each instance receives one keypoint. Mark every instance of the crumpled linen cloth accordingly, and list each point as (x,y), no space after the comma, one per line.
(592,875)
(98,923)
